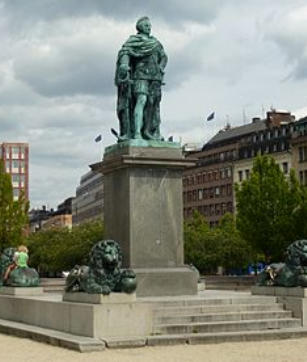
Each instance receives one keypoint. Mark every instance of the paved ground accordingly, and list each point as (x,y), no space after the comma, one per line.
(13,349)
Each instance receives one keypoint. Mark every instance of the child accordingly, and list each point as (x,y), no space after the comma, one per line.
(20,259)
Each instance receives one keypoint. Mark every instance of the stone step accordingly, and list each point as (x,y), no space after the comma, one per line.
(215,301)
(218,317)
(228,326)
(205,338)
(165,311)
(51,336)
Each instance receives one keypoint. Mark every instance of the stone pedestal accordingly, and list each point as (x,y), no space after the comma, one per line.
(144,213)
(21,291)
(293,298)
(113,298)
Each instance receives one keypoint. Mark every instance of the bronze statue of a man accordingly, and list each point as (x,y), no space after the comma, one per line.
(139,75)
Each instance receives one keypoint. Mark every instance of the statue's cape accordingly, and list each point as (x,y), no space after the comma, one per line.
(139,46)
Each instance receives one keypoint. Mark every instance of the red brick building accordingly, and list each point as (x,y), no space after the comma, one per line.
(16,163)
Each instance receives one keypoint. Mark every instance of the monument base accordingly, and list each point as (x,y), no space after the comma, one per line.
(22,291)
(293,298)
(165,281)
(112,298)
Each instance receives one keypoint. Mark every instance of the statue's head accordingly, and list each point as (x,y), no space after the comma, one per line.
(143,25)
(105,254)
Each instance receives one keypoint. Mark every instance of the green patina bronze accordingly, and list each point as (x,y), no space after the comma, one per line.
(292,273)
(20,276)
(139,75)
(141,143)
(103,275)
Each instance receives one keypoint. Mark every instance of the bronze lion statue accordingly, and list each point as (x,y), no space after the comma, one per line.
(18,277)
(103,275)
(291,273)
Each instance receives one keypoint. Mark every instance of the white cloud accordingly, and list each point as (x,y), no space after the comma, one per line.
(57,65)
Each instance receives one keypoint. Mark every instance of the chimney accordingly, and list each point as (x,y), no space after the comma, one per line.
(277,117)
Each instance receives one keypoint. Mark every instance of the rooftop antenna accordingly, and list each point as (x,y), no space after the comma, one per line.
(244,116)
(262,111)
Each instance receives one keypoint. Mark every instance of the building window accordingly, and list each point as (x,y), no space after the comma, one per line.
(247,174)
(240,175)
(229,189)
(285,167)
(15,180)
(229,206)
(301,178)
(194,195)
(15,152)
(16,193)
(200,194)
(302,151)
(217,191)
(7,166)
(22,152)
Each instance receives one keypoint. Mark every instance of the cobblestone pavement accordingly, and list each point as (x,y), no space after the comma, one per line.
(15,349)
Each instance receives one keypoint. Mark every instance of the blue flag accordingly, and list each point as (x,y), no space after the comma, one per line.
(211,116)
(98,138)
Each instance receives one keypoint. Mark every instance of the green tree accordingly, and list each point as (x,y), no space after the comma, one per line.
(61,249)
(207,248)
(13,213)
(235,251)
(200,244)
(265,208)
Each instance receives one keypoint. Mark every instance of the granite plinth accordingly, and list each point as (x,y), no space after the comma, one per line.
(137,143)
(293,298)
(143,196)
(81,319)
(166,281)
(280,291)
(112,298)
(21,291)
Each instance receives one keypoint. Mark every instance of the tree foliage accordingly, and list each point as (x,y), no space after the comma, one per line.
(61,249)
(270,207)
(207,248)
(13,213)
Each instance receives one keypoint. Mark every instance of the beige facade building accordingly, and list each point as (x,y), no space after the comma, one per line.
(299,150)
(88,204)
(228,159)
(57,222)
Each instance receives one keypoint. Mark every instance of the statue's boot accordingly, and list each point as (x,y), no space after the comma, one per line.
(123,138)
(137,136)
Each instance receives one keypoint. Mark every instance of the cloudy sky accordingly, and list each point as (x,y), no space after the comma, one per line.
(57,65)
